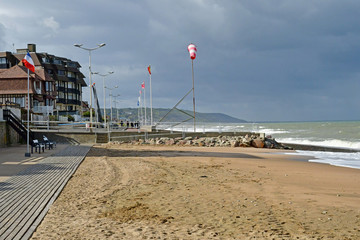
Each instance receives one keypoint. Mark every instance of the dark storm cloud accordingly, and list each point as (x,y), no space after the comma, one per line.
(257,60)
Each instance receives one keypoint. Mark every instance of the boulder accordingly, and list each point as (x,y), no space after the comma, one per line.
(235,143)
(257,143)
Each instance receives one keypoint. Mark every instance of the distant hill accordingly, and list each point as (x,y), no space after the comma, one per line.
(174,116)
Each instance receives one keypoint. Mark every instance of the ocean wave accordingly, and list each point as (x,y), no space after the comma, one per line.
(337,143)
(340,159)
(269,131)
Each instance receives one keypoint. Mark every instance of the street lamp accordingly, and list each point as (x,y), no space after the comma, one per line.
(111,102)
(104,75)
(117,110)
(89,50)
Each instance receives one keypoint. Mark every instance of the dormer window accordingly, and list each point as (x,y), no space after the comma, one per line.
(57,61)
(45,60)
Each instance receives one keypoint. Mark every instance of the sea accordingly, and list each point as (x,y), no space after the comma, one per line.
(343,135)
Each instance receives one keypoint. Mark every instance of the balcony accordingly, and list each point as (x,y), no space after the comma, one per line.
(61,100)
(73,90)
(72,79)
(60,89)
(72,101)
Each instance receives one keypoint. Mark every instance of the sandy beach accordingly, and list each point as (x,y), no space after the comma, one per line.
(167,192)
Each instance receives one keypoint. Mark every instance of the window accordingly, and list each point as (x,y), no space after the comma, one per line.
(50,71)
(48,86)
(57,61)
(45,60)
(71,96)
(20,101)
(61,72)
(71,64)
(71,74)
(3,61)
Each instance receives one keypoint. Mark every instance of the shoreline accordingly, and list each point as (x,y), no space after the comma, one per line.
(307,147)
(124,191)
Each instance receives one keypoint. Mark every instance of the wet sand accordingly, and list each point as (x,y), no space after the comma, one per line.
(167,192)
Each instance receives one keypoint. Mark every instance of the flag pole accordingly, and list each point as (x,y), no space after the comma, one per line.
(141,109)
(192,68)
(27,154)
(145,105)
(138,108)
(151,112)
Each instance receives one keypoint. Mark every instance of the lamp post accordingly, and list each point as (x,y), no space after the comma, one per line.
(104,75)
(117,110)
(89,50)
(111,103)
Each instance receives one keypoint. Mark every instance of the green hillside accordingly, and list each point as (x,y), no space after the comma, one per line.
(174,116)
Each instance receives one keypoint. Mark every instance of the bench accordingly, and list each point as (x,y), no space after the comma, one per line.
(48,143)
(38,146)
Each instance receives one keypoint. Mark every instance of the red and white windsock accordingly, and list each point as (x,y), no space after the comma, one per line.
(192,50)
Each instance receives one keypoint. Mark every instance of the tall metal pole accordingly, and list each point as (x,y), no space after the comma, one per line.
(192,66)
(27,154)
(110,107)
(89,50)
(141,110)
(91,116)
(145,106)
(104,75)
(104,101)
(151,111)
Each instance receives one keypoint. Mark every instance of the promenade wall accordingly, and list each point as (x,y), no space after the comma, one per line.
(8,136)
(96,137)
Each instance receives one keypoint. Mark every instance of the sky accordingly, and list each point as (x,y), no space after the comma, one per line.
(257,60)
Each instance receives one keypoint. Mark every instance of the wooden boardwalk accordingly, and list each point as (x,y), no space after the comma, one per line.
(26,197)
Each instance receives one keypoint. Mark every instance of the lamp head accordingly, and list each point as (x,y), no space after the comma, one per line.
(78,45)
(101,45)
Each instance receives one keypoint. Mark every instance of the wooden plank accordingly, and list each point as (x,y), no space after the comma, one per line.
(29,201)
(22,224)
(25,203)
(26,208)
(24,181)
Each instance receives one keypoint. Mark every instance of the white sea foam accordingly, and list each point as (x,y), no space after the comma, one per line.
(323,143)
(342,159)
(269,131)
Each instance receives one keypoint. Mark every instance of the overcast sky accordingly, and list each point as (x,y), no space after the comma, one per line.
(257,60)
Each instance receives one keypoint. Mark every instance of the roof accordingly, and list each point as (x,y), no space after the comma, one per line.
(14,80)
(20,57)
(44,75)
(15,86)
(14,72)
(18,71)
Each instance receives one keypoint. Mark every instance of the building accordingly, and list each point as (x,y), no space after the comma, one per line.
(14,89)
(62,73)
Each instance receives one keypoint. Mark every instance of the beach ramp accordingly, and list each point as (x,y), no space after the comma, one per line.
(26,197)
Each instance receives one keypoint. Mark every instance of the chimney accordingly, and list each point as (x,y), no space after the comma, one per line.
(32,47)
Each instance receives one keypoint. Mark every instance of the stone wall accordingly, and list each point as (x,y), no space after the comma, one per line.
(8,136)
(94,137)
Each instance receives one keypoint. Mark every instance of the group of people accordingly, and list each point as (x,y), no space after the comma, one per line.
(128,124)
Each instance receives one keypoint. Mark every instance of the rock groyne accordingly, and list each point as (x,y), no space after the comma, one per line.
(219,141)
